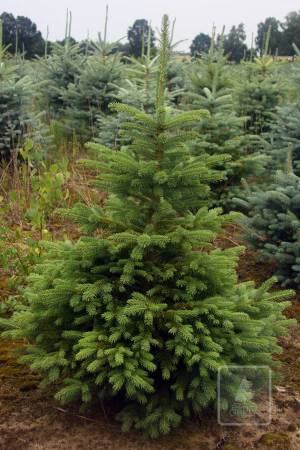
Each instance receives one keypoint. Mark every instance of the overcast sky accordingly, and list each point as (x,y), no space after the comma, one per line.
(192,16)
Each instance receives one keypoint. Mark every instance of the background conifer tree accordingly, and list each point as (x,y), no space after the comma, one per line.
(143,307)
(140,82)
(138,89)
(97,85)
(259,93)
(18,119)
(272,224)
(61,68)
(211,87)
(286,128)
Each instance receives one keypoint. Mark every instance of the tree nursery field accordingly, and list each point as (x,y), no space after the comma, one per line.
(149,242)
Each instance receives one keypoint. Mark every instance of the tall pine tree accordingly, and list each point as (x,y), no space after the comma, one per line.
(143,307)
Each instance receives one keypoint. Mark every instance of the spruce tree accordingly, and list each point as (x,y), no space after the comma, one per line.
(137,88)
(140,79)
(90,95)
(260,90)
(141,75)
(58,70)
(259,93)
(286,132)
(176,81)
(286,128)
(19,120)
(10,99)
(272,219)
(211,87)
(143,307)
(97,85)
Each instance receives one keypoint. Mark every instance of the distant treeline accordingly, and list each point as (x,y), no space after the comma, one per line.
(20,35)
